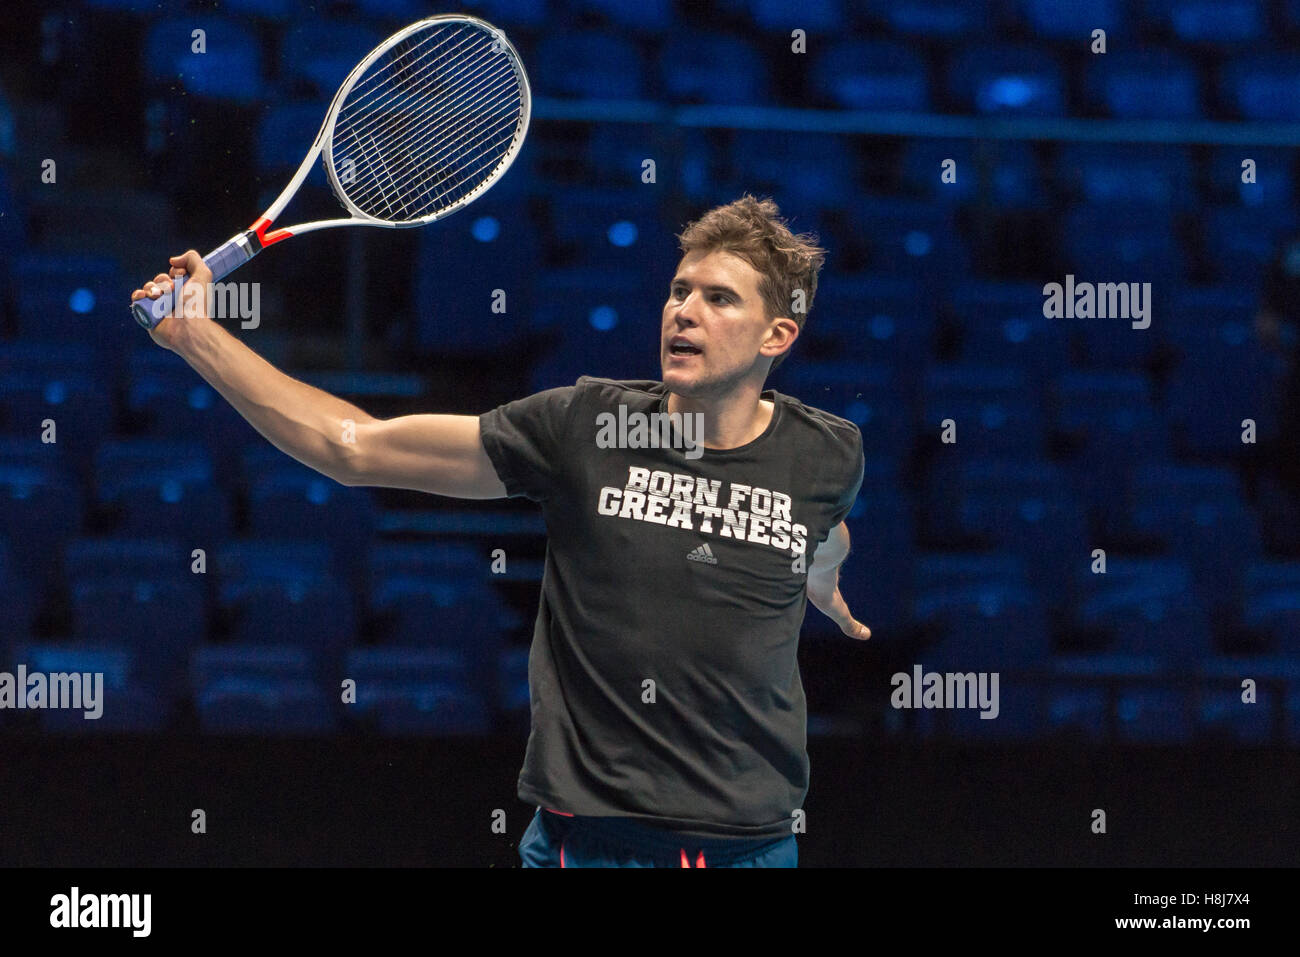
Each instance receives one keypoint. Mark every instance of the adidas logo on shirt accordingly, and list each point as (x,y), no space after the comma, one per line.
(702,554)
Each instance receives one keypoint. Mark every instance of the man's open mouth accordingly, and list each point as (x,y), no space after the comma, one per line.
(683,349)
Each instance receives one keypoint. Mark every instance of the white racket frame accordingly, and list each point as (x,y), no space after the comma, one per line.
(325,143)
(242,247)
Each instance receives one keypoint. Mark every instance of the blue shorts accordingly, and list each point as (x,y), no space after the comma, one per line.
(560,840)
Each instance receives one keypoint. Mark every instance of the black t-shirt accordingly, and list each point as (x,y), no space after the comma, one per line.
(663,674)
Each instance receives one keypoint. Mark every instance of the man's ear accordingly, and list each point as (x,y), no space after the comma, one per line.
(781,335)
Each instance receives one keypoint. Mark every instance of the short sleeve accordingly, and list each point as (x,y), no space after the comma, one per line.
(526,441)
(852,483)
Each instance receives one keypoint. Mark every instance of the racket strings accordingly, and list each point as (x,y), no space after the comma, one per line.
(419,130)
(435,122)
(429,123)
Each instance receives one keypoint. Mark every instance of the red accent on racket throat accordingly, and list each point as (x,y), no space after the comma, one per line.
(265,238)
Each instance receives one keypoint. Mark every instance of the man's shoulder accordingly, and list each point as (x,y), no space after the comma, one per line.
(620,389)
(832,426)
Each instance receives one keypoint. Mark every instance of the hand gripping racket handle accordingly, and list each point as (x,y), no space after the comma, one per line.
(223,260)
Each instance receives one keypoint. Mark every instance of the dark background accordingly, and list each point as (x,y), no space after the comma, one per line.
(1118,691)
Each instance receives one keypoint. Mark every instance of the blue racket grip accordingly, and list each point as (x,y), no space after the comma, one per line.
(223,260)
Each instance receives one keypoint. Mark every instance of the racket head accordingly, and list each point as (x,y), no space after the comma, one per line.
(427,122)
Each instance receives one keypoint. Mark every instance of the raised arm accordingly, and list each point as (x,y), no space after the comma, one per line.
(430,453)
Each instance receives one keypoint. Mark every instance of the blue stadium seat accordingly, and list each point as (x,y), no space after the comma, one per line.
(615,152)
(292,501)
(992,406)
(1079,692)
(512,683)
(1106,243)
(934,18)
(908,238)
(1274,173)
(1020,81)
(508,13)
(79,404)
(161,486)
(87,559)
(446,561)
(649,16)
(35,355)
(990,425)
(282,133)
(1262,86)
(167,399)
(602,323)
(404,691)
(989,627)
(1112,174)
(1198,516)
(127,705)
(611,67)
(1027,341)
(939,571)
(443,613)
(1223,713)
(13,226)
(782,16)
(876,580)
(618,229)
(1164,493)
(1270,603)
(69,297)
(1010,167)
(1073,20)
(713,68)
(160,618)
(1144,85)
(280,592)
(228,69)
(39,506)
(266,9)
(490,246)
(877,75)
(1111,415)
(263,690)
(1243,240)
(797,169)
(1144,606)
(277,560)
(18,593)
(1159,715)
(1026,508)
(320,53)
(398,11)
(865,394)
(881,319)
(1110,423)
(1216,22)
(1224,377)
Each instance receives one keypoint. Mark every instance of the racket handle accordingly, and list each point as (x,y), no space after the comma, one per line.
(223,260)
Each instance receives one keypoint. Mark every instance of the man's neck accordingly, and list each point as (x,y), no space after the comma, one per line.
(729,422)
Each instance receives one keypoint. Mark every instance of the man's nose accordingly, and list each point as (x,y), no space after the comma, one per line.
(686,308)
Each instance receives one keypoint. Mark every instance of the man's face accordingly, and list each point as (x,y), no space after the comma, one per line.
(714,306)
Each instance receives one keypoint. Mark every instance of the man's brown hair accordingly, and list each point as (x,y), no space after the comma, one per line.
(753,230)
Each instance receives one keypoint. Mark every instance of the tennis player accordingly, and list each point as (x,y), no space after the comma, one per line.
(669,724)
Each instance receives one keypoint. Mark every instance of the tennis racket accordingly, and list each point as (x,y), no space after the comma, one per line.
(421,127)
